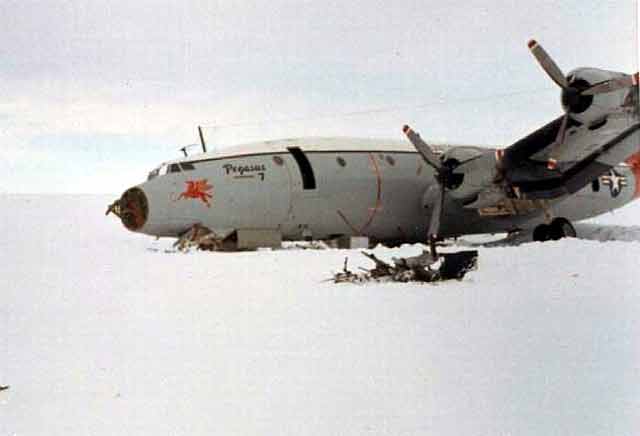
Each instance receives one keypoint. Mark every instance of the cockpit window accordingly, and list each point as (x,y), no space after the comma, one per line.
(159,171)
(170,168)
(153,174)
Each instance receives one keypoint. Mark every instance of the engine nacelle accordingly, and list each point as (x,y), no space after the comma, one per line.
(471,168)
(462,153)
(591,109)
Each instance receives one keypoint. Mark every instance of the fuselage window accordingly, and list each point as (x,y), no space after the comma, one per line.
(595,185)
(341,161)
(174,168)
(187,166)
(306,171)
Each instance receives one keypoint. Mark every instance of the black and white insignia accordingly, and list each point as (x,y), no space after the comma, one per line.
(614,181)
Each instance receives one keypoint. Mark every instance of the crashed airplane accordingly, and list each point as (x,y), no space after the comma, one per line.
(581,164)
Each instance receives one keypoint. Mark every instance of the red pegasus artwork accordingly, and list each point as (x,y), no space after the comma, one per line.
(198,189)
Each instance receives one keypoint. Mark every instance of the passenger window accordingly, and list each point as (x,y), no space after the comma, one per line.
(174,168)
(187,166)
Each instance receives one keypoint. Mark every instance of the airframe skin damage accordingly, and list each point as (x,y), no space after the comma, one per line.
(580,165)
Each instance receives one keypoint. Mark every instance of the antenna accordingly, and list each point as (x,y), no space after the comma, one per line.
(204,145)
(187,147)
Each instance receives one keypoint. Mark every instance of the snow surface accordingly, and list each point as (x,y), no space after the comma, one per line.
(104,332)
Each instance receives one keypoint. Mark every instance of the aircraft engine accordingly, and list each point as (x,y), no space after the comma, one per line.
(586,102)
(588,96)
(459,173)
(462,178)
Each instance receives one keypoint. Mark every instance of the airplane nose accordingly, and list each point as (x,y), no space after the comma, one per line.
(132,208)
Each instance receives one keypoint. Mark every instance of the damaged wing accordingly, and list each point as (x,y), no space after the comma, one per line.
(585,155)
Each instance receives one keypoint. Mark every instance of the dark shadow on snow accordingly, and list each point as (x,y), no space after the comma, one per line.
(585,231)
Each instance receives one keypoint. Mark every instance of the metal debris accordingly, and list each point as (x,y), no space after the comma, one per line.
(423,268)
(306,245)
(203,238)
(197,236)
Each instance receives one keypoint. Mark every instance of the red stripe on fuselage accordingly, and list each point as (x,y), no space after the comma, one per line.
(634,162)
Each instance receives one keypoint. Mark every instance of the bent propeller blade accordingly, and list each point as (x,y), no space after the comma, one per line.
(548,64)
(436,218)
(612,85)
(423,148)
(436,213)
(552,162)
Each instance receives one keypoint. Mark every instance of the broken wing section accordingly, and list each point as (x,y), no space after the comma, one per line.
(592,155)
(587,154)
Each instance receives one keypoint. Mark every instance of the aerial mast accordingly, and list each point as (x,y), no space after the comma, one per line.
(204,145)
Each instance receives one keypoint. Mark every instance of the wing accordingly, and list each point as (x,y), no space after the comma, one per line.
(600,128)
(586,154)
(523,175)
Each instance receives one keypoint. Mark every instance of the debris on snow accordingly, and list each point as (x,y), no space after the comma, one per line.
(423,268)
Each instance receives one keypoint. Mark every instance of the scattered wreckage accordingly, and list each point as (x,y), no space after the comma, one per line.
(203,238)
(424,268)
(430,266)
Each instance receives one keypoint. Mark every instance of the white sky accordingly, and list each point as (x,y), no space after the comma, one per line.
(94,94)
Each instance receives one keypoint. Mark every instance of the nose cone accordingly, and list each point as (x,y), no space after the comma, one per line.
(132,208)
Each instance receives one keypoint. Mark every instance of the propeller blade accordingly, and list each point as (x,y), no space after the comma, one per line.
(436,212)
(547,64)
(562,132)
(423,148)
(612,85)
(552,162)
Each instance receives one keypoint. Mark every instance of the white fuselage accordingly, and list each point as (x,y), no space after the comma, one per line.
(325,187)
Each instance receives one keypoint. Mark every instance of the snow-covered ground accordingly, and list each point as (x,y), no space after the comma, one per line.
(104,332)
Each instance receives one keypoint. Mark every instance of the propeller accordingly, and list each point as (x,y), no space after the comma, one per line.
(576,91)
(577,95)
(612,85)
(548,64)
(436,213)
(436,193)
(429,156)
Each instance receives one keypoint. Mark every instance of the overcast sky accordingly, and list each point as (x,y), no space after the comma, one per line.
(95,94)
